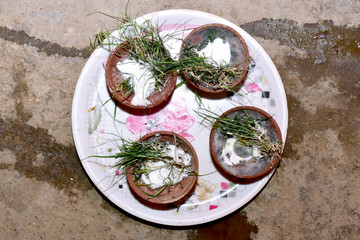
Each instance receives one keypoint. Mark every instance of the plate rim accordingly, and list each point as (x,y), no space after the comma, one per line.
(216,213)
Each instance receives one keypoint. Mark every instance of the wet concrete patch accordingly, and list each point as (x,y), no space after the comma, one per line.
(38,155)
(319,68)
(327,197)
(330,51)
(5,165)
(20,92)
(60,165)
(21,38)
(340,114)
(238,225)
(337,40)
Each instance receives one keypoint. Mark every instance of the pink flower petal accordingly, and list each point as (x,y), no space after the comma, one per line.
(252,87)
(188,137)
(136,124)
(174,117)
(177,123)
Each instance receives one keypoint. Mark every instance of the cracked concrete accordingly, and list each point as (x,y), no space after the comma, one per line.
(314,194)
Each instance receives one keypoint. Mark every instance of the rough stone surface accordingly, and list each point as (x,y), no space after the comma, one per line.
(314,194)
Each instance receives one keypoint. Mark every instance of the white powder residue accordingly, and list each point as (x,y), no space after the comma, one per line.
(141,78)
(216,52)
(231,158)
(161,173)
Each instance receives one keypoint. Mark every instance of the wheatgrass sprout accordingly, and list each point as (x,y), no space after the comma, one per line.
(207,72)
(146,44)
(248,131)
(143,43)
(133,157)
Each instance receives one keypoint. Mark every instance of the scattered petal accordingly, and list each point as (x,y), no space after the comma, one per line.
(91,109)
(136,124)
(252,87)
(174,117)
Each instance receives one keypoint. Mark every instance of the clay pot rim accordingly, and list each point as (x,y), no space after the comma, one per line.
(239,81)
(246,178)
(157,203)
(125,102)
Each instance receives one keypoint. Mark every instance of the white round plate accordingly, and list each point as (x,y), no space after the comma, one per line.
(96,131)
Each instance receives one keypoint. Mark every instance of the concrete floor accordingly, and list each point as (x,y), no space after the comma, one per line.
(314,194)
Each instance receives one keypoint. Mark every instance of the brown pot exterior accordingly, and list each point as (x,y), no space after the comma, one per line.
(114,78)
(245,171)
(239,51)
(173,195)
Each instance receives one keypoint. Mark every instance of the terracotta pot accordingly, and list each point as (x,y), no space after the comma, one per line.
(114,79)
(173,195)
(200,37)
(246,171)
